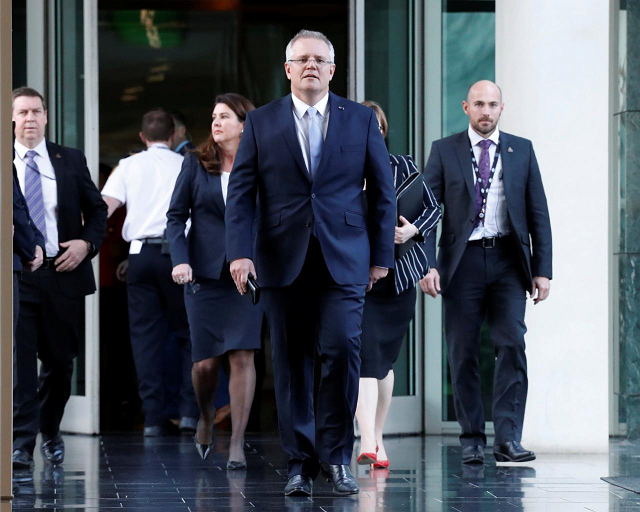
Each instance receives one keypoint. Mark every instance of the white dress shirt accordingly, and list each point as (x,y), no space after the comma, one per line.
(495,218)
(49,190)
(144,182)
(224,183)
(302,122)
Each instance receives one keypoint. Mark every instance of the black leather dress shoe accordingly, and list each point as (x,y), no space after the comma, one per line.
(341,478)
(299,485)
(473,454)
(512,451)
(21,459)
(53,450)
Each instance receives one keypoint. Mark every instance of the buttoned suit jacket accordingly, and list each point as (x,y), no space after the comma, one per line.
(82,214)
(197,195)
(450,176)
(293,205)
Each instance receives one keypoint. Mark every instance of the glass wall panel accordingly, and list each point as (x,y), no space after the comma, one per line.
(69,73)
(468,55)
(19,42)
(389,69)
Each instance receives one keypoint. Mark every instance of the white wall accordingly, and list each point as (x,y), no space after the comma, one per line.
(552,62)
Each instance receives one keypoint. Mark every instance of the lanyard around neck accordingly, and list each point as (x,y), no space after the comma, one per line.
(484,187)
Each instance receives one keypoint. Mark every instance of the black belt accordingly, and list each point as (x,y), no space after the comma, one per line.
(488,243)
(49,263)
(156,241)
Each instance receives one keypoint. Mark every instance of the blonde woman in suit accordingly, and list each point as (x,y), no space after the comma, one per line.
(388,310)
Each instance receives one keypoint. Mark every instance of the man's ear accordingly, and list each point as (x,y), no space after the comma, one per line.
(142,138)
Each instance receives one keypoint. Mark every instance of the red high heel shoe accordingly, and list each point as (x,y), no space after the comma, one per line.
(367,458)
(381,464)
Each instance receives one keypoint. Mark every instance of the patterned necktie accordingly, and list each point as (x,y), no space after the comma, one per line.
(315,140)
(33,192)
(485,171)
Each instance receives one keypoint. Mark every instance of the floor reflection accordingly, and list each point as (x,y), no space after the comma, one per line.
(102,473)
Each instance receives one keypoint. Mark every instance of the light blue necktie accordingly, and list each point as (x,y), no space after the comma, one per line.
(33,192)
(315,140)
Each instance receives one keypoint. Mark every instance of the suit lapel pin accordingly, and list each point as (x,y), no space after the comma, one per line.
(340,108)
(58,155)
(509,150)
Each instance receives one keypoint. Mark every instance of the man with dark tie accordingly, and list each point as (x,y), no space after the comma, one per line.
(67,209)
(495,246)
(307,156)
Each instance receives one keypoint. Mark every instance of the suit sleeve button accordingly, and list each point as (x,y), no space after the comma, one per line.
(313,196)
(308,224)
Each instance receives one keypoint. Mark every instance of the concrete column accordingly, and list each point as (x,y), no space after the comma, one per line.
(552,62)
(6,260)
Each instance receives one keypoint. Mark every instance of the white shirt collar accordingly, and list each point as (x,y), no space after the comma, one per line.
(475,138)
(300,107)
(41,149)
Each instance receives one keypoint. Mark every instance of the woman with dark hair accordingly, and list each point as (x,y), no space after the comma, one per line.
(221,321)
(388,310)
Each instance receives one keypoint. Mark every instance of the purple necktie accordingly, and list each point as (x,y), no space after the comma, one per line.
(485,171)
(33,192)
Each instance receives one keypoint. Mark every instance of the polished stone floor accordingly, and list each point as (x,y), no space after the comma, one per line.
(102,473)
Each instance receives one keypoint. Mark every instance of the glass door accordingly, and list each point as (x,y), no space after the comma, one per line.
(460,50)
(388,57)
(72,73)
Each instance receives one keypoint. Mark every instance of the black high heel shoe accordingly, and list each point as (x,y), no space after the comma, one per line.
(203,449)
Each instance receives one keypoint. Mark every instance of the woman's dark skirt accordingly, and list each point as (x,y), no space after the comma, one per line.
(386,318)
(220,319)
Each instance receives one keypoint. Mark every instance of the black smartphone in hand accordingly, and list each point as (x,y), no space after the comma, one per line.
(254,289)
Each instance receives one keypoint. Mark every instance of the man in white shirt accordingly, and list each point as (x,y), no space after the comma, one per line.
(66,207)
(495,247)
(144,183)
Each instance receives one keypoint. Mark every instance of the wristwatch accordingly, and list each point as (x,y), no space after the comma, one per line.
(90,247)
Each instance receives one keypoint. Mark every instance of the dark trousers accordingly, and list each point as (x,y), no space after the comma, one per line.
(315,313)
(488,283)
(48,329)
(156,305)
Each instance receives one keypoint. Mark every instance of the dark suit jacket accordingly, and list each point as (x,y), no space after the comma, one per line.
(26,235)
(292,206)
(450,176)
(82,214)
(197,194)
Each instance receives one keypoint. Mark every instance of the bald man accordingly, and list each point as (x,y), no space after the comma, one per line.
(495,247)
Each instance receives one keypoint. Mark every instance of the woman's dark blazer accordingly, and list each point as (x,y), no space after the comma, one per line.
(197,195)
(414,265)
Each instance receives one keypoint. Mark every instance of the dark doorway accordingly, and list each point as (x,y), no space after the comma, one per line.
(179,54)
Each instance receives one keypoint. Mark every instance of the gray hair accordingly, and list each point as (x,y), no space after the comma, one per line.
(310,34)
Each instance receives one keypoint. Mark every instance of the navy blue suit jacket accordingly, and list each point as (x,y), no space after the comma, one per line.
(450,176)
(292,206)
(197,194)
(26,235)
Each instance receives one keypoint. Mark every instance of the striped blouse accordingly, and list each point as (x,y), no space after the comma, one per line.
(413,266)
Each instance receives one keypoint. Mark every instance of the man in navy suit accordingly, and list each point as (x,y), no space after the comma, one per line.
(307,157)
(495,246)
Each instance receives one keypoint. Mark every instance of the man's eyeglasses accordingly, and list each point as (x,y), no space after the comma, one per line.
(318,62)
